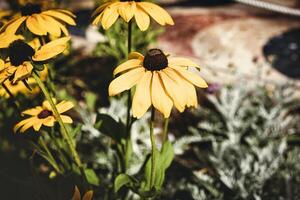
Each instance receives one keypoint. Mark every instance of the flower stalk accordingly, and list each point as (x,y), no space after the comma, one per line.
(153,146)
(65,134)
(165,131)
(128,120)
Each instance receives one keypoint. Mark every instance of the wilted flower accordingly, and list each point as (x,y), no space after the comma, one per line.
(43,115)
(161,81)
(109,12)
(77,196)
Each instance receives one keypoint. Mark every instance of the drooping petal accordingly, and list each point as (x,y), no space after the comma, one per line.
(52,26)
(66,119)
(35,26)
(125,81)
(142,19)
(51,49)
(23,71)
(61,16)
(191,77)
(161,101)
(188,89)
(64,106)
(76,195)
(142,98)
(183,62)
(22,123)
(110,15)
(6,39)
(174,90)
(88,195)
(100,9)
(130,64)
(160,15)
(127,10)
(98,19)
(12,26)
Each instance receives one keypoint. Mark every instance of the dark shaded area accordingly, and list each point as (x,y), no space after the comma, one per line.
(191,3)
(283,52)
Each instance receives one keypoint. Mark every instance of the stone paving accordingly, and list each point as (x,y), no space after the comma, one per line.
(227,41)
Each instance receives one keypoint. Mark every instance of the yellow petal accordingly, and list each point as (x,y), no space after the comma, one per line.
(130,64)
(100,9)
(23,71)
(7,38)
(110,15)
(142,98)
(12,26)
(66,12)
(157,13)
(35,26)
(37,126)
(127,10)
(125,81)
(66,119)
(174,90)
(61,16)
(49,121)
(135,55)
(46,105)
(183,62)
(188,89)
(64,106)
(51,49)
(142,19)
(2,65)
(191,77)
(98,19)
(52,26)
(161,101)
(33,111)
(22,123)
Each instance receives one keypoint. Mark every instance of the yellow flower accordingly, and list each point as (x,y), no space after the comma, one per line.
(77,196)
(43,115)
(161,81)
(109,12)
(40,22)
(21,55)
(19,87)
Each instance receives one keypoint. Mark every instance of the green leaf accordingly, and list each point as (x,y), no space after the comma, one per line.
(92,178)
(121,180)
(90,99)
(112,128)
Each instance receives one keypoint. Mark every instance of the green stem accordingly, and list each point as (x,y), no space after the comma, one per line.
(128,123)
(65,134)
(54,164)
(153,145)
(165,132)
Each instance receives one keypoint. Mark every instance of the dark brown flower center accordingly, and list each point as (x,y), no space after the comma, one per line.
(19,51)
(155,60)
(44,114)
(30,9)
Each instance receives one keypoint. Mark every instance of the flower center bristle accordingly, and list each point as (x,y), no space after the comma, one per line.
(30,9)
(19,52)
(155,60)
(44,114)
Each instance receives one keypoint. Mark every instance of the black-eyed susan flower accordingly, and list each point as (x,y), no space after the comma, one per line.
(161,81)
(21,56)
(20,88)
(109,12)
(40,22)
(43,116)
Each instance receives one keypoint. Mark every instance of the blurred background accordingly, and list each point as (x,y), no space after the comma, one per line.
(243,140)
